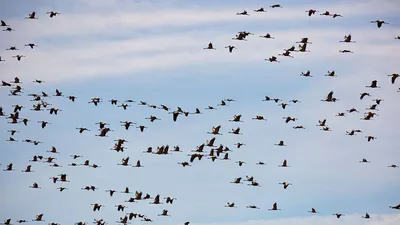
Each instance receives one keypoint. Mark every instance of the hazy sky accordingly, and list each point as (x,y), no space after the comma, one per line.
(152,51)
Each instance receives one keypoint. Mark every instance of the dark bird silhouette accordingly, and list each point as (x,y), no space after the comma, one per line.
(210,46)
(394,77)
(32,16)
(379,23)
(230,47)
(244,13)
(373,84)
(53,14)
(311,12)
(31,45)
(274,207)
(260,10)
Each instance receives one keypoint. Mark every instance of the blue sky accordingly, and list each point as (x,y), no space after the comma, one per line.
(153,51)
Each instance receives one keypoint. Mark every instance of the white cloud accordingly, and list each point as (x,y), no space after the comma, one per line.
(355,219)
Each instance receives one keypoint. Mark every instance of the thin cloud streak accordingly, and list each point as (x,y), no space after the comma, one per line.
(114,58)
(332,220)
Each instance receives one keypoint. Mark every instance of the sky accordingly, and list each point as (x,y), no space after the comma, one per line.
(152,51)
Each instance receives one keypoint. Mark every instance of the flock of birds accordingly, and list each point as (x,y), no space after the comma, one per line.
(241,36)
(209,149)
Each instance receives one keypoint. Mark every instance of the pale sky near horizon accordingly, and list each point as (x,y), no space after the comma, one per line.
(152,51)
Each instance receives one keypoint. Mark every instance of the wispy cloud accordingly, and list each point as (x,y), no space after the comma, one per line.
(332,220)
(74,55)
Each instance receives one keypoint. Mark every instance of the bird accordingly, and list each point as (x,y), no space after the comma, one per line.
(156,200)
(274,207)
(311,12)
(276,6)
(330,98)
(238,145)
(336,15)
(230,205)
(152,118)
(12,48)
(326,128)
(373,84)
(394,77)
(44,123)
(120,207)
(175,115)
(124,106)
(210,46)
(3,24)
(235,131)
(28,169)
(141,127)
(281,143)
(9,167)
(169,200)
(313,211)
(285,184)
(31,45)
(9,29)
(138,164)
(237,180)
(38,81)
(32,16)
(184,164)
(53,13)
(284,164)
(326,13)
(362,95)
(96,206)
(272,59)
(268,36)
(306,74)
(287,54)
(395,207)
(364,160)
(35,185)
(369,138)
(289,118)
(258,117)
(345,51)
(338,215)
(244,13)
(240,163)
(260,10)
(379,23)
(347,39)
(366,216)
(39,217)
(231,47)
(236,118)
(19,57)
(81,129)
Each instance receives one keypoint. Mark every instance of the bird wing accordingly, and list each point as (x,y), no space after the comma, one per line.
(393,79)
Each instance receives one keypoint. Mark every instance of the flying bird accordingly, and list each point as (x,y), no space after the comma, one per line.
(379,23)
(32,16)
(210,46)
